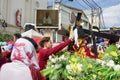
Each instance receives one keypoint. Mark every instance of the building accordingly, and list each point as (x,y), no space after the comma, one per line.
(67,16)
(18,12)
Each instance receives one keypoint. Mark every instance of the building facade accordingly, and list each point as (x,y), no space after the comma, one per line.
(67,17)
(19,12)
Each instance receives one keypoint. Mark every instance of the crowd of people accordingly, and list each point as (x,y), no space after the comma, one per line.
(23,59)
(20,60)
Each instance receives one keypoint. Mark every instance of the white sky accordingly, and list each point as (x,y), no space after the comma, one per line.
(112,15)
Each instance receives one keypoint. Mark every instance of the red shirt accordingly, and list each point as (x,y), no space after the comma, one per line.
(45,53)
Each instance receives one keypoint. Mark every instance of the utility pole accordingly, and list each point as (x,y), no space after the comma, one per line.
(93,36)
(53,4)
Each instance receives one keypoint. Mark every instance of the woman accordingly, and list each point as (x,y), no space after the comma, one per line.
(46,50)
(24,65)
(2,59)
(16,36)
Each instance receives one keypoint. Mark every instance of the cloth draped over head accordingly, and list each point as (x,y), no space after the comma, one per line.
(23,56)
(25,52)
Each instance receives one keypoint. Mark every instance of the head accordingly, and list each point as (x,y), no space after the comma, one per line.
(47,14)
(112,42)
(46,42)
(16,36)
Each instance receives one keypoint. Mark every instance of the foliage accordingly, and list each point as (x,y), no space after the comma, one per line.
(68,66)
(111,53)
(5,37)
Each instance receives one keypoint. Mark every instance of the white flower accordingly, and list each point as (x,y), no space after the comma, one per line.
(68,67)
(110,63)
(61,58)
(52,66)
(116,67)
(57,66)
(103,63)
(50,57)
(56,59)
(53,60)
(99,61)
(79,67)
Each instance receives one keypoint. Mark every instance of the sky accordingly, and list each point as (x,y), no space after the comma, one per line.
(110,9)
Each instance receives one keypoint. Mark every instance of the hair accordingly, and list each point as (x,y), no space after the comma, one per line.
(17,35)
(112,42)
(0,53)
(44,39)
(32,41)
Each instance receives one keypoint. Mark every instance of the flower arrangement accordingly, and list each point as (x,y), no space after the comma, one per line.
(67,66)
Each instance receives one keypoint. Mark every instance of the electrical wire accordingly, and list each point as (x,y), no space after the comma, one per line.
(92,5)
(87,3)
(81,4)
(64,1)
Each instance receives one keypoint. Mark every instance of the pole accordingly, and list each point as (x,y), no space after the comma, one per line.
(53,3)
(93,36)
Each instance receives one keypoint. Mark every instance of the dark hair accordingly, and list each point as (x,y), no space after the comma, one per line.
(17,35)
(0,50)
(44,39)
(112,42)
(32,41)
(0,53)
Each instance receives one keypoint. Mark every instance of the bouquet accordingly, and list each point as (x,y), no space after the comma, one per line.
(67,66)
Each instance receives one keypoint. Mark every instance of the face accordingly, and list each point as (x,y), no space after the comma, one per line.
(14,38)
(48,44)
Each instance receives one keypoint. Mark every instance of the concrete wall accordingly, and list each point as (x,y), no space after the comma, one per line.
(28,8)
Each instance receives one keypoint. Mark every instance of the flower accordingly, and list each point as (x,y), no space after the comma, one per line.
(98,61)
(73,59)
(99,73)
(89,66)
(57,66)
(110,63)
(72,67)
(94,76)
(116,67)
(113,53)
(68,67)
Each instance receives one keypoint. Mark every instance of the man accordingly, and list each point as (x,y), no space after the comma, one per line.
(47,19)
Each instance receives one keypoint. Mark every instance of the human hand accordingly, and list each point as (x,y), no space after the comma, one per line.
(71,34)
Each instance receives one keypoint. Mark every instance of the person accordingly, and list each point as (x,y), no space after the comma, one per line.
(16,36)
(2,59)
(112,46)
(24,65)
(4,24)
(8,48)
(46,50)
(80,46)
(47,19)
